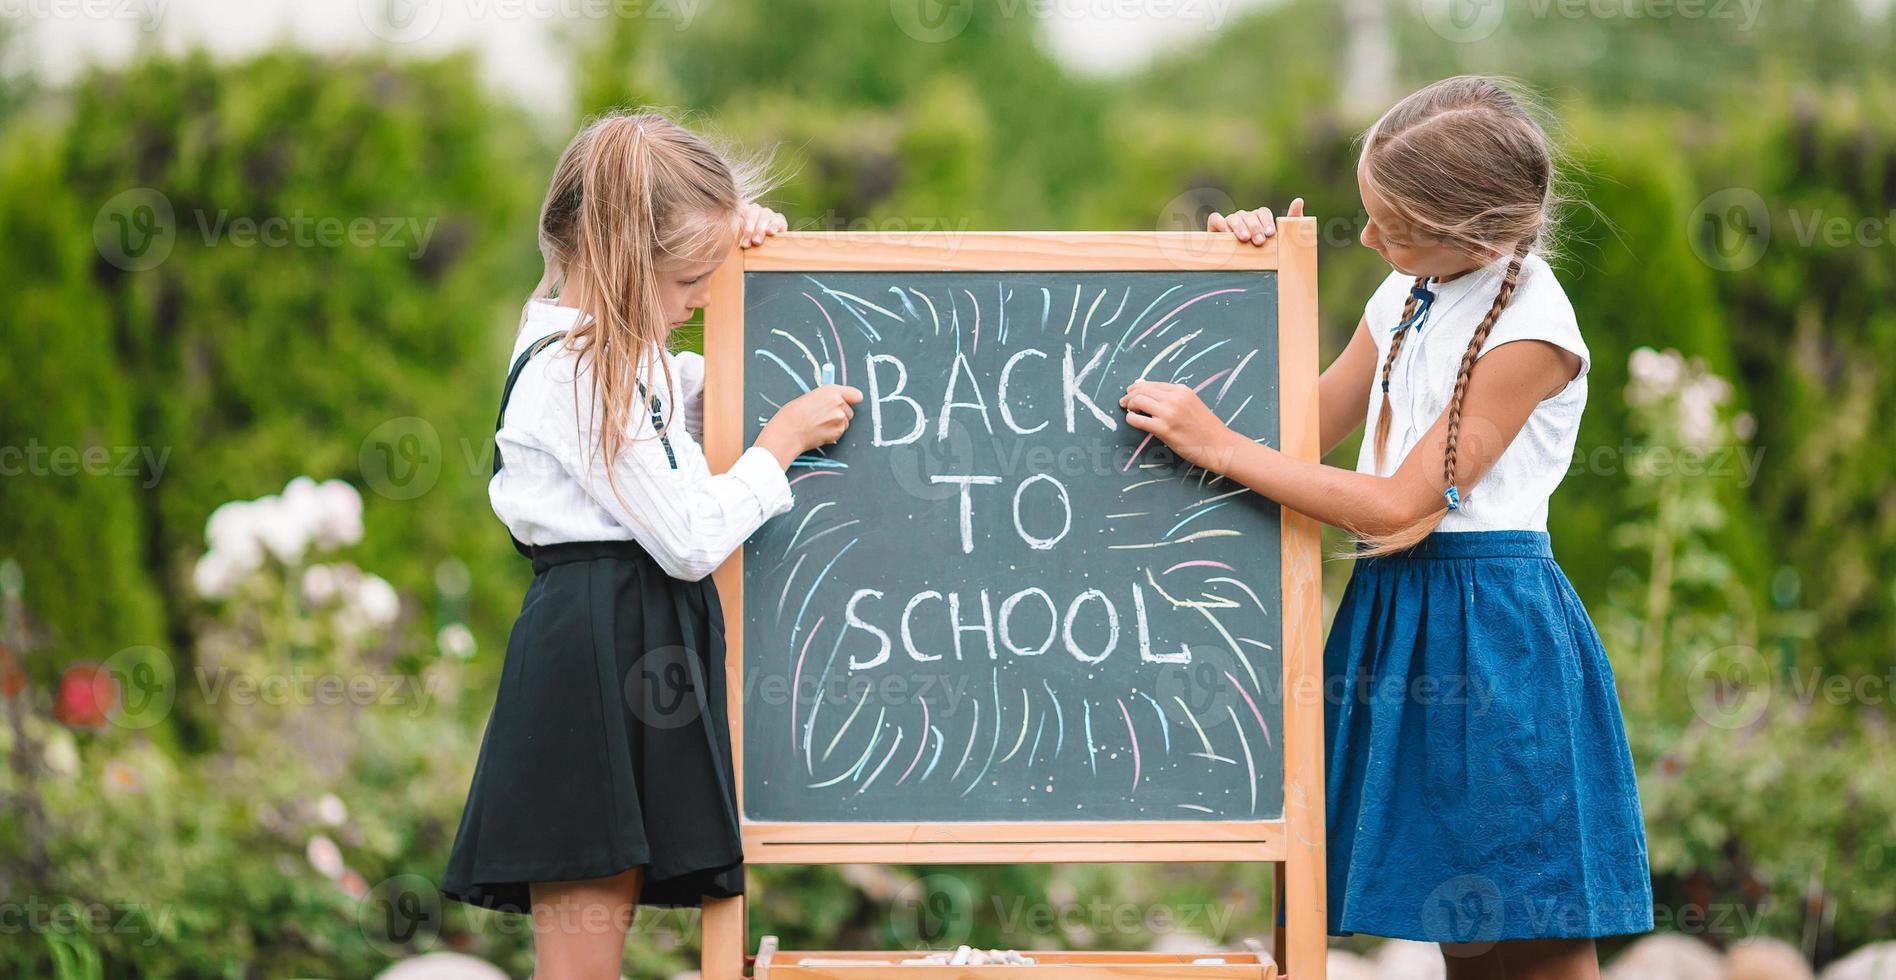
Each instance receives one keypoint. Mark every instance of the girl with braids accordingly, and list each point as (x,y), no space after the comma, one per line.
(1481,793)
(604,777)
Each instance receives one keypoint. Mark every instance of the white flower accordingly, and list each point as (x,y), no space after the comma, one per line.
(319,584)
(232,531)
(341,515)
(217,574)
(61,754)
(377,600)
(456,640)
(280,528)
(330,810)
(302,501)
(1654,375)
(1700,399)
(329,513)
(1708,386)
(325,857)
(1698,416)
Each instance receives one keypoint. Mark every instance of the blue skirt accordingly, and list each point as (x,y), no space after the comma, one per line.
(1480,785)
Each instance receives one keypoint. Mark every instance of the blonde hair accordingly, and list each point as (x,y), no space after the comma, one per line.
(632,190)
(1465,164)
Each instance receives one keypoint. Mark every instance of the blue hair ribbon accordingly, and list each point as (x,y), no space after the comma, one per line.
(1454,498)
(1424,298)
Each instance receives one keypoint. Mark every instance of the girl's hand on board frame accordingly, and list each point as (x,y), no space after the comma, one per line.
(1255,226)
(756,223)
(1176,415)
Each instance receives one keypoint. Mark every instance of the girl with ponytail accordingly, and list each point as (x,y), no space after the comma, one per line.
(604,779)
(1481,791)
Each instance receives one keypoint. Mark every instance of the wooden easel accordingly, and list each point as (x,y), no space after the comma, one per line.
(1295,843)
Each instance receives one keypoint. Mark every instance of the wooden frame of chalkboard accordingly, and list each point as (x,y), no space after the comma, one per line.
(1294,842)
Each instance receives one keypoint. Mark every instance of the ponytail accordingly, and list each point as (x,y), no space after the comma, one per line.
(631,190)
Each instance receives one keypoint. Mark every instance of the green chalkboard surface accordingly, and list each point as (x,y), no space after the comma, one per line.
(994,599)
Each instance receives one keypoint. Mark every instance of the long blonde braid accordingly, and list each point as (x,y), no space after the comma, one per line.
(1407,537)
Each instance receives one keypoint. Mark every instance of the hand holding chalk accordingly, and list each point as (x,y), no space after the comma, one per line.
(812,419)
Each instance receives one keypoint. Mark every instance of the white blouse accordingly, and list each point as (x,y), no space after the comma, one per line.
(1513,495)
(552,486)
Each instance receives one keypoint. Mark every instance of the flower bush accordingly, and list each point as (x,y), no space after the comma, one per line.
(304,836)
(1765,778)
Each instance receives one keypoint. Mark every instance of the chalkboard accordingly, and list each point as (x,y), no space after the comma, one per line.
(1118,656)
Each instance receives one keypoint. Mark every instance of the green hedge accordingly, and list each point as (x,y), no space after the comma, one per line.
(348,243)
(247,364)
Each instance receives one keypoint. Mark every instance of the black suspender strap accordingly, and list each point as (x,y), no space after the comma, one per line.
(658,425)
(506,393)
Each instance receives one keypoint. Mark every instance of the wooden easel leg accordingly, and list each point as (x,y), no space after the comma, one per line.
(725,939)
(1277,907)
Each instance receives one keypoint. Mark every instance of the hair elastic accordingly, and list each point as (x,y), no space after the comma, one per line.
(1454,497)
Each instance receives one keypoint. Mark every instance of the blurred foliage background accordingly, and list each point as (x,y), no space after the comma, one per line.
(1747,600)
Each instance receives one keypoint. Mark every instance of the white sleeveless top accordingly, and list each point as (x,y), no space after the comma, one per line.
(1513,495)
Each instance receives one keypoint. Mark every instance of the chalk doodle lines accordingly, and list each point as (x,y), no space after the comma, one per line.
(1098,643)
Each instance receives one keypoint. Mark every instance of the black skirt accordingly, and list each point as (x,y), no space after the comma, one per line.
(607,748)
